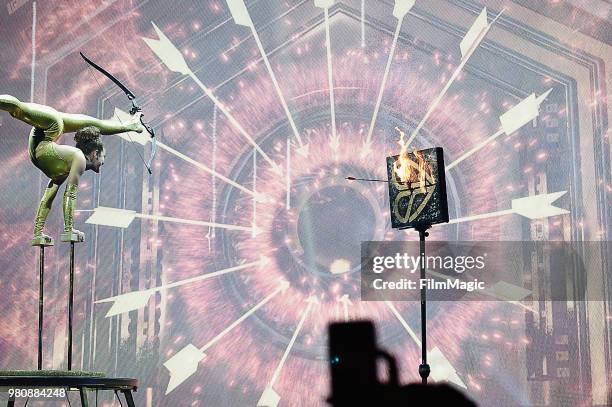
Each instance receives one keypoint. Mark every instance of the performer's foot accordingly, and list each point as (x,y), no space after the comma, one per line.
(42,240)
(75,236)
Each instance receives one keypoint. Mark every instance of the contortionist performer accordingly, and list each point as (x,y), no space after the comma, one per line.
(61,162)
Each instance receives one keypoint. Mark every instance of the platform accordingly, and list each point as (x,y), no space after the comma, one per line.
(70,380)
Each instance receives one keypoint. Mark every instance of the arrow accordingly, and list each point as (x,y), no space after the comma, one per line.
(515,118)
(254,188)
(442,370)
(137,299)
(174,61)
(288,178)
(400,9)
(122,218)
(524,112)
(468,45)
(185,363)
(363,44)
(270,398)
(212,231)
(501,290)
(334,141)
(532,207)
(143,139)
(259,197)
(345,301)
(241,16)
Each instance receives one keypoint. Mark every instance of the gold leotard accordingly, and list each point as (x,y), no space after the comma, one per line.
(41,148)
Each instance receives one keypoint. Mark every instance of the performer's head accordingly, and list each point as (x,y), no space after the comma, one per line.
(89,142)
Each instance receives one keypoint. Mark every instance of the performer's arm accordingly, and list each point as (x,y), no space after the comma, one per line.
(70,195)
(75,122)
(43,212)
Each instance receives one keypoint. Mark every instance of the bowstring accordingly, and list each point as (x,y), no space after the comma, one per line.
(118,118)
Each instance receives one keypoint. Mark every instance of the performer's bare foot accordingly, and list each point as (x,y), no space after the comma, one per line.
(72,236)
(42,240)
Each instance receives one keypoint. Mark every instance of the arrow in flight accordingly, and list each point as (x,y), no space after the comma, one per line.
(185,362)
(468,45)
(531,207)
(137,299)
(172,58)
(400,9)
(241,16)
(515,118)
(270,398)
(346,302)
(122,218)
(334,140)
(441,368)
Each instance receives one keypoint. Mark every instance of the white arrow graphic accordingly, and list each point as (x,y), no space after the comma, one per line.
(400,9)
(468,45)
(143,139)
(212,231)
(241,16)
(270,398)
(185,362)
(501,290)
(441,368)
(258,197)
(174,61)
(334,140)
(515,118)
(122,218)
(532,207)
(138,299)
(345,301)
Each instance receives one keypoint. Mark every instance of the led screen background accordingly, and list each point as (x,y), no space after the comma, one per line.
(310,227)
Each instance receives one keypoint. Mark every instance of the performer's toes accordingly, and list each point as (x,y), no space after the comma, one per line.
(42,240)
(74,236)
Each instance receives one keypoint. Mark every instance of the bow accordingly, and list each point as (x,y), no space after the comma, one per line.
(135,109)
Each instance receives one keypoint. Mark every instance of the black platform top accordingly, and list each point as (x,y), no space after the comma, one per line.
(53,379)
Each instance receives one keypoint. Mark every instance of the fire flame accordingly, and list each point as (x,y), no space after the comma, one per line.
(407,170)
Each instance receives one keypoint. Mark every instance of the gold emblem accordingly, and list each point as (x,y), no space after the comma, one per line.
(410,192)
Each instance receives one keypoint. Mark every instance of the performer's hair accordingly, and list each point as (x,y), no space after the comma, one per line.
(88,139)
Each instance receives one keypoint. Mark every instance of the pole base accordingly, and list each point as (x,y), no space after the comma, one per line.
(424,371)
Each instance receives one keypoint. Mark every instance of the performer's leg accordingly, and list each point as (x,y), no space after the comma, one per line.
(8,103)
(75,122)
(41,215)
(40,116)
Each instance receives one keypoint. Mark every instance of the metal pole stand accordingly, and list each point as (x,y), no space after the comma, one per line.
(424,369)
(72,238)
(41,243)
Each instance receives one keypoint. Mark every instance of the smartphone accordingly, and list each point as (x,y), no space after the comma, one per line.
(352,359)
